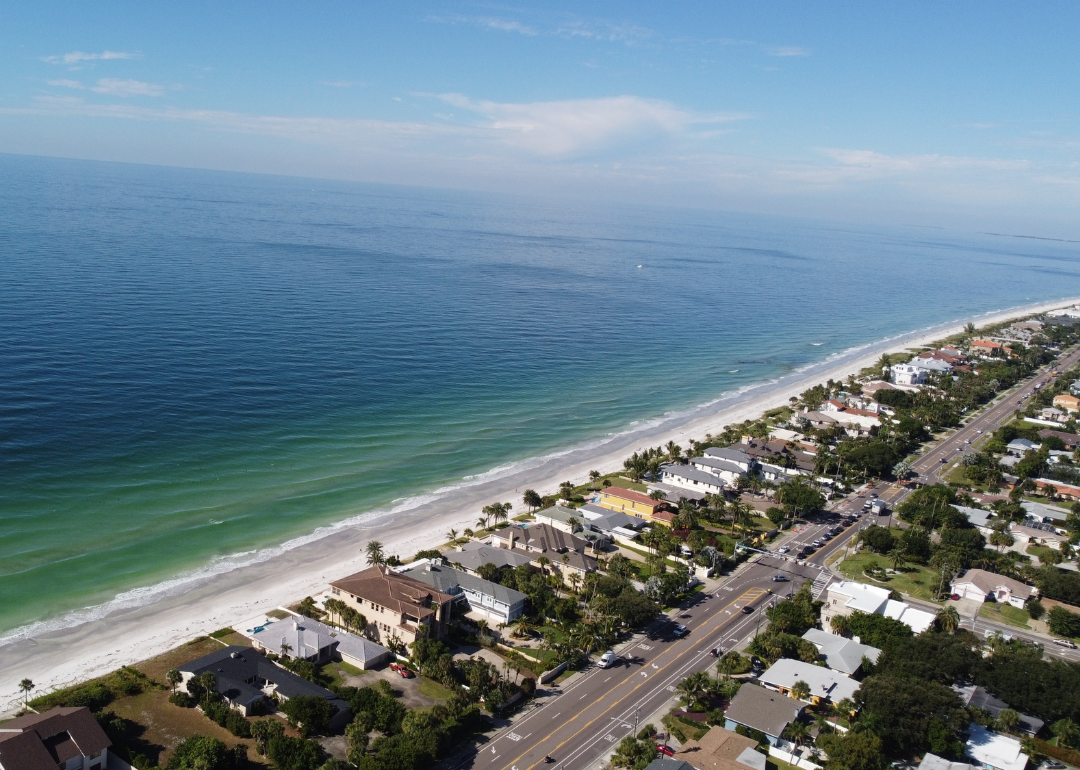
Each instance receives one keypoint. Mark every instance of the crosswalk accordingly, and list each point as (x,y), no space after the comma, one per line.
(821,582)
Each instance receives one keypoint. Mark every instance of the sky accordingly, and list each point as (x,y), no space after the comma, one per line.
(949,113)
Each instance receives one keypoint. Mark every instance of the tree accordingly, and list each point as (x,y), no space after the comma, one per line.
(730,662)
(1008,719)
(202,753)
(1001,540)
(1066,731)
(375,555)
(1063,623)
(903,711)
(294,753)
(209,684)
(878,539)
(532,499)
(947,619)
(800,690)
(451,535)
(634,754)
(174,678)
(566,490)
(593,476)
(776,515)
(853,751)
(838,624)
(797,732)
(26,686)
(1035,609)
(899,558)
(310,713)
(264,730)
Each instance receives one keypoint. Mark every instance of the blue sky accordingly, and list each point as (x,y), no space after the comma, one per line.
(918,112)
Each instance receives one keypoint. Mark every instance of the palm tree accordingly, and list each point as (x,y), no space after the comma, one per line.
(451,535)
(1008,719)
(286,648)
(543,561)
(481,626)
(209,683)
(729,663)
(375,556)
(948,619)
(574,523)
(1066,731)
(593,476)
(575,581)
(839,625)
(26,686)
(899,558)
(800,690)
(797,732)
(174,678)
(566,490)
(845,708)
(482,522)
(674,451)
(532,499)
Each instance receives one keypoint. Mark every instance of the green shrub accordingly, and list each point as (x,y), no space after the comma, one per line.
(181,699)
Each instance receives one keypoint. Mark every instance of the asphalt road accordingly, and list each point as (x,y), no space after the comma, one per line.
(579,724)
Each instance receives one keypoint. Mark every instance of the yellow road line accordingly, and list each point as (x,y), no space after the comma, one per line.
(757,593)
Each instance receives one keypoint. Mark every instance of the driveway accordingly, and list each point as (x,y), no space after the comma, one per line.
(408,689)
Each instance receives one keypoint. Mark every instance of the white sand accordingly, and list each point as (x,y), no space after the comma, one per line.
(61,657)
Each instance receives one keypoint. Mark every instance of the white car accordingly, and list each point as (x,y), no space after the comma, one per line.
(783,549)
(608,659)
(1065,643)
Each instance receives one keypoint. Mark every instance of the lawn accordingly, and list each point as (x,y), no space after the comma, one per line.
(772,763)
(1006,613)
(433,689)
(621,481)
(685,729)
(155,668)
(913,580)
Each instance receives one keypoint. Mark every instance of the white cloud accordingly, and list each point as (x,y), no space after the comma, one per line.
(65,83)
(563,128)
(115,87)
(488,22)
(787,50)
(76,57)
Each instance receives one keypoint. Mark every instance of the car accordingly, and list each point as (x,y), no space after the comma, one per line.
(680,631)
(1051,764)
(748,609)
(778,578)
(955,597)
(402,670)
(666,750)
(873,494)
(1065,643)
(783,549)
(608,659)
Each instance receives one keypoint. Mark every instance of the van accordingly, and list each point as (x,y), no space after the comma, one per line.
(608,659)
(878,507)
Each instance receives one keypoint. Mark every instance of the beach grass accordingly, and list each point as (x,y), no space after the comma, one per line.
(156,667)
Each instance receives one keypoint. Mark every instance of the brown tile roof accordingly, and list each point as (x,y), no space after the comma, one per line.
(53,737)
(630,494)
(395,592)
(718,749)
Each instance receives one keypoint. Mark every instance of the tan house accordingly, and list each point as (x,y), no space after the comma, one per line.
(1068,402)
(721,749)
(979,584)
(394,605)
(562,550)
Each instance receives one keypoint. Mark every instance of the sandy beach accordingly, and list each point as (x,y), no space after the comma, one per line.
(127,634)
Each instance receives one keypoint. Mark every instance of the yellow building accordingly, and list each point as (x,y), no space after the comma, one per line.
(629,502)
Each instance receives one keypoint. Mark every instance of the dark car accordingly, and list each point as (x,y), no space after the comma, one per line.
(748,609)
(680,631)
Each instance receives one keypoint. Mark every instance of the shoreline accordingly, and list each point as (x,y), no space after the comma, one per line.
(197,604)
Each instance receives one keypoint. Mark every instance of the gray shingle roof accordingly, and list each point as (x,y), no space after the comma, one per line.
(729,453)
(691,473)
(473,556)
(717,464)
(764,710)
(452,581)
(840,654)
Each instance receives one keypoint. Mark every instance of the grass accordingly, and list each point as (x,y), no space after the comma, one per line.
(914,580)
(235,639)
(433,689)
(1014,616)
(772,763)
(622,481)
(684,729)
(278,614)
(155,668)
(1042,552)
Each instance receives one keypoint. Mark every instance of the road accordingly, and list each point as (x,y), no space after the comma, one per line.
(579,724)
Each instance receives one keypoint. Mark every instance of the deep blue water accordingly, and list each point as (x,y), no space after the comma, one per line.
(195,364)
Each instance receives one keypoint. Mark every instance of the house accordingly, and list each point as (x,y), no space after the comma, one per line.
(1045,513)
(721,749)
(1018,447)
(933,363)
(908,374)
(732,454)
(629,501)
(1068,402)
(993,751)
(308,639)
(826,685)
(847,597)
(727,470)
(979,584)
(615,525)
(561,549)
(472,556)
(839,653)
(1038,534)
(934,762)
(691,477)
(59,739)
(244,677)
(396,606)
(1067,491)
(978,697)
(663,763)
(1053,414)
(1071,440)
(483,597)
(985,348)
(790,457)
(764,710)
(560,517)
(978,518)
(1074,388)
(673,493)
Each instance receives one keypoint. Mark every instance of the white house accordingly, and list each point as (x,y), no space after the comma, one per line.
(727,470)
(483,597)
(979,584)
(826,685)
(993,751)
(691,477)
(733,455)
(908,374)
(847,597)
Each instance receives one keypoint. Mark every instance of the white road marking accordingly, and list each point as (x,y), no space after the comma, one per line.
(514,737)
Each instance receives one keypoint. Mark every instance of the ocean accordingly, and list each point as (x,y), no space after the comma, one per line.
(197,365)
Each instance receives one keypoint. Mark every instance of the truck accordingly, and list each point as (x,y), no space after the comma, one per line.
(878,508)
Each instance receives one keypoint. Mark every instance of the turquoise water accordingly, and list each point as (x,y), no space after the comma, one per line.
(195,365)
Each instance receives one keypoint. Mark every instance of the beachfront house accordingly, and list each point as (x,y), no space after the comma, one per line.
(562,550)
(908,374)
(560,517)
(58,739)
(244,678)
(847,597)
(674,494)
(473,555)
(482,599)
(307,639)
(629,501)
(729,471)
(692,478)
(764,710)
(980,585)
(826,685)
(396,606)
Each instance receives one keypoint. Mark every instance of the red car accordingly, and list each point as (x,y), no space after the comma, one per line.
(666,750)
(405,672)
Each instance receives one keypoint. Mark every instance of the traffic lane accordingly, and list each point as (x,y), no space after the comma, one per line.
(595,738)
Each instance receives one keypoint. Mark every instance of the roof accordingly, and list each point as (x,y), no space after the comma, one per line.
(615,519)
(673,493)
(540,537)
(235,666)
(915,619)
(988,582)
(764,710)
(719,464)
(309,632)
(977,517)
(472,556)
(824,682)
(934,762)
(993,750)
(664,763)
(1070,439)
(560,513)
(630,494)
(43,741)
(690,473)
(397,593)
(839,653)
(862,597)
(1044,511)
(721,749)
(979,697)
(729,453)
(453,582)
